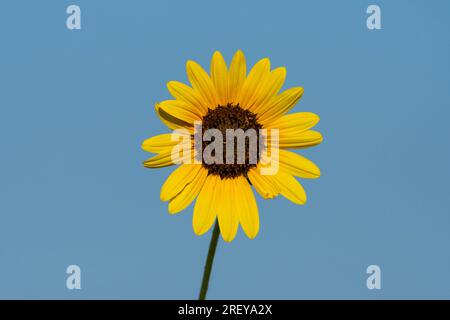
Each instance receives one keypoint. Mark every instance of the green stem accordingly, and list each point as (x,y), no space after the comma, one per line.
(209,262)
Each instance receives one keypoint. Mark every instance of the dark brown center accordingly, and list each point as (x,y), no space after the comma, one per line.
(231,117)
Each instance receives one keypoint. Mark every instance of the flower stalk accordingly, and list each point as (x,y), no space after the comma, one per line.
(209,261)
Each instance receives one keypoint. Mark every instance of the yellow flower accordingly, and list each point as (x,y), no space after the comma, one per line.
(232,99)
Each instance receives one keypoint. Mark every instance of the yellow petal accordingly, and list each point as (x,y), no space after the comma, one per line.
(219,76)
(226,209)
(236,76)
(178,179)
(267,90)
(205,209)
(201,82)
(298,165)
(280,104)
(172,156)
(179,110)
(246,207)
(294,123)
(170,121)
(302,140)
(189,193)
(255,78)
(161,143)
(262,185)
(161,160)
(181,91)
(289,187)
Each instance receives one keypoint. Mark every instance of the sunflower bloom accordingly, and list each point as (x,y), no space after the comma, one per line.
(231,98)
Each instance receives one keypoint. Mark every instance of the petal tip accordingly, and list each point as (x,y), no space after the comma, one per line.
(252,235)
(162,196)
(199,231)
(239,53)
(217,54)
(170,84)
(227,238)
(171,209)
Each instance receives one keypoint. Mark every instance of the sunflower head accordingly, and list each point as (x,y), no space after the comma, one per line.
(230,117)
(245,131)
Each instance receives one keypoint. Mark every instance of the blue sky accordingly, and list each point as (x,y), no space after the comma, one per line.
(76,105)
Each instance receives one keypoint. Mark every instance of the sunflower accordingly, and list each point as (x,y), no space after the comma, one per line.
(229,98)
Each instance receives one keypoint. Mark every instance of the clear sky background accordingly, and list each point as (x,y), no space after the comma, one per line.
(76,105)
